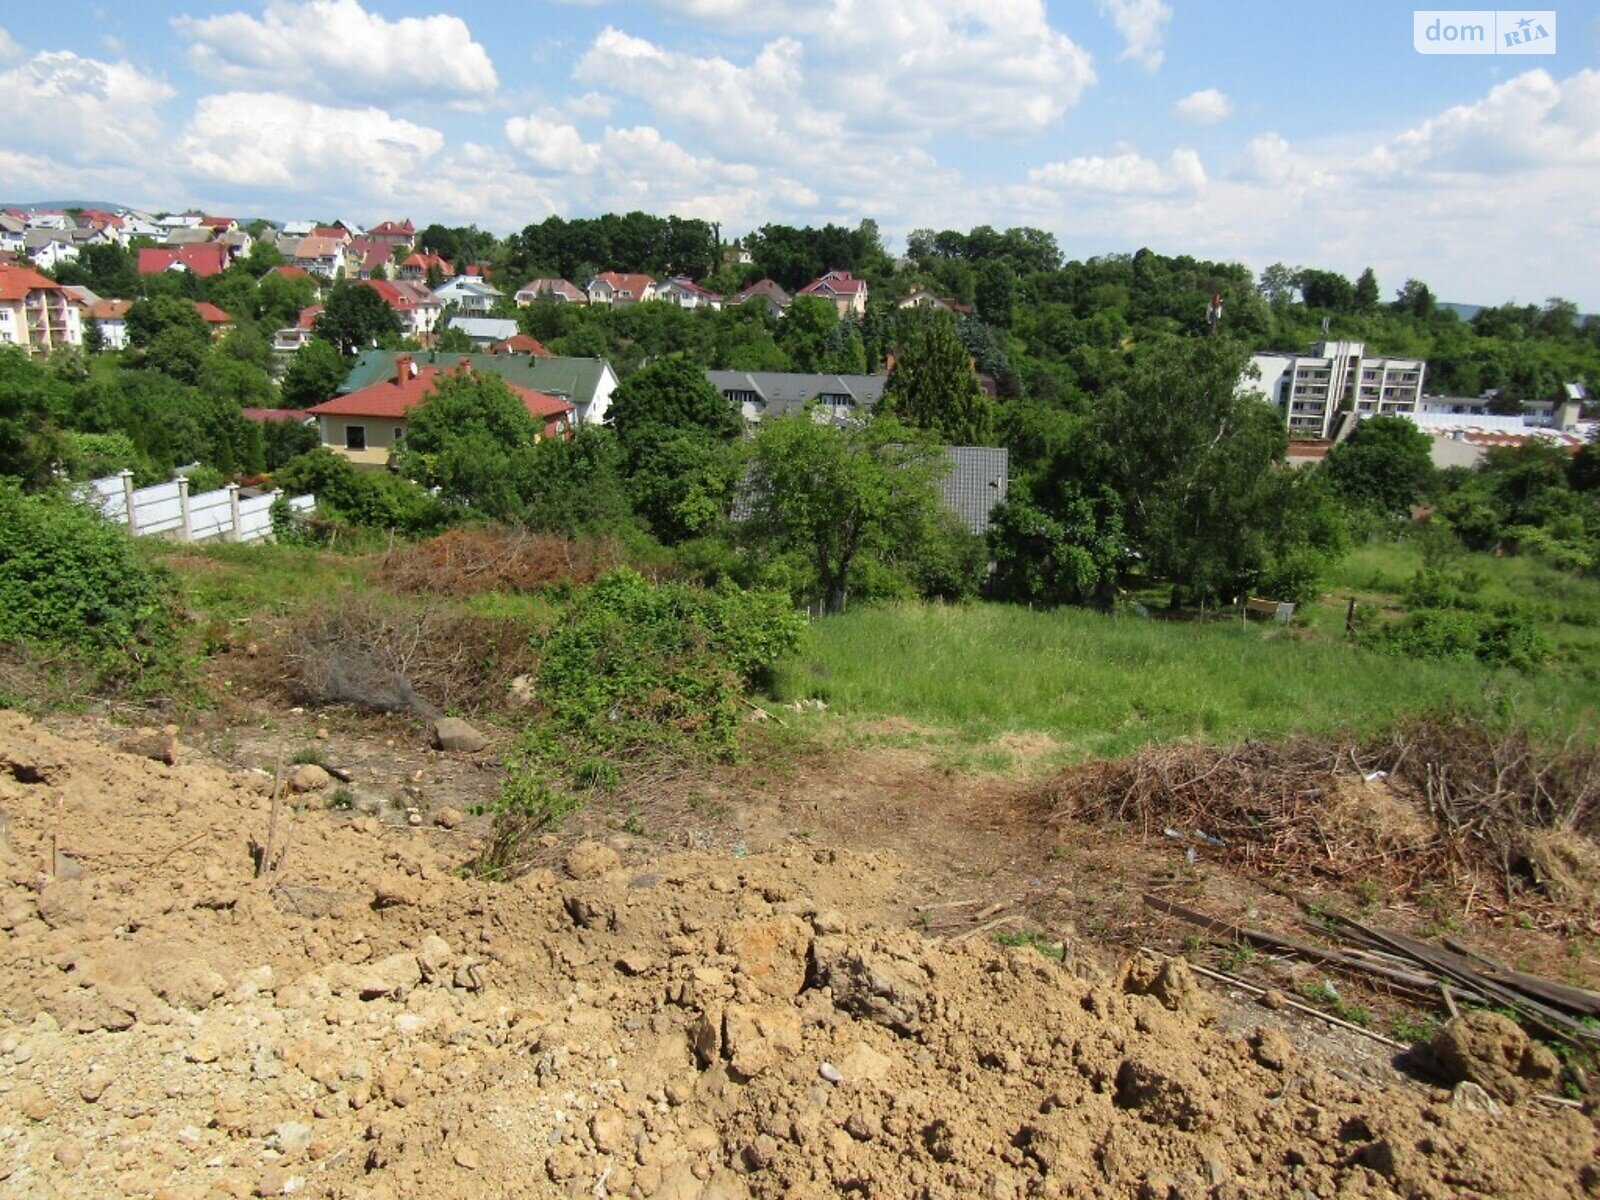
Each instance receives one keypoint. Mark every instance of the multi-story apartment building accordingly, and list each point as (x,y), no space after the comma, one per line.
(1316,390)
(36,312)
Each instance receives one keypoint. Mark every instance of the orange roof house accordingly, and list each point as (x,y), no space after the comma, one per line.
(368,424)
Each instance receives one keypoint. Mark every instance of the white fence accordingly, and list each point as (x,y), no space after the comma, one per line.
(168,508)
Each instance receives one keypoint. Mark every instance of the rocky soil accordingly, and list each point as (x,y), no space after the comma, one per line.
(363,1022)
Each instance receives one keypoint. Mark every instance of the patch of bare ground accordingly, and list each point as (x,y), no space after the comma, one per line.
(357,1020)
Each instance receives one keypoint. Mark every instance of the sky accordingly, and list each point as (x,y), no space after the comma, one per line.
(1311,134)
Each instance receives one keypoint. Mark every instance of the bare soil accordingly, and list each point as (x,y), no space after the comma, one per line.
(749,1015)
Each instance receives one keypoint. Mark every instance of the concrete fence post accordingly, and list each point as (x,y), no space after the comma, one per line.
(183,508)
(127,500)
(233,510)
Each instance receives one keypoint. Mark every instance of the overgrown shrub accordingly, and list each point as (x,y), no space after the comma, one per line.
(1501,638)
(637,675)
(71,580)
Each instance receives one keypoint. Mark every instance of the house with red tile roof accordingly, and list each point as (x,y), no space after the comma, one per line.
(559,290)
(36,312)
(416,306)
(417,266)
(367,425)
(521,343)
(368,258)
(109,317)
(848,293)
(764,291)
(204,260)
(684,292)
(220,224)
(216,320)
(612,287)
(395,233)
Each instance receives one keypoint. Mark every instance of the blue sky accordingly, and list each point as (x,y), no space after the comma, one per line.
(1255,132)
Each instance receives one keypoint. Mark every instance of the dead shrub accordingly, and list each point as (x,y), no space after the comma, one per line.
(1461,802)
(465,562)
(389,657)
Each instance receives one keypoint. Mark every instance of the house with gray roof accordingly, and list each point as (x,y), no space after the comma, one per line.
(978,479)
(485,331)
(586,382)
(760,393)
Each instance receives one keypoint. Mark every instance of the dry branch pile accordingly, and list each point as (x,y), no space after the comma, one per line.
(390,658)
(465,562)
(1438,801)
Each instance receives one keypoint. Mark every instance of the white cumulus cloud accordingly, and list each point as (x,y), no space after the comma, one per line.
(261,139)
(84,110)
(1205,107)
(10,52)
(1143,26)
(552,145)
(1126,174)
(336,48)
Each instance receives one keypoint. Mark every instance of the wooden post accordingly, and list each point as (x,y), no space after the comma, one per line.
(1350,618)
(233,509)
(183,507)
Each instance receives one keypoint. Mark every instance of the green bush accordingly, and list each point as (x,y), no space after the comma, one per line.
(1504,637)
(638,665)
(636,672)
(70,579)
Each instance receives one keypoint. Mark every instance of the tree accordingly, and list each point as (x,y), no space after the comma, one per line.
(1279,283)
(1415,298)
(1385,465)
(675,431)
(462,438)
(1059,555)
(1190,458)
(832,494)
(804,332)
(30,442)
(1327,290)
(932,385)
(356,317)
(314,374)
(1366,294)
(996,293)
(149,319)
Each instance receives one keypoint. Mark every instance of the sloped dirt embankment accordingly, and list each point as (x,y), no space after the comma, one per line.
(695,1025)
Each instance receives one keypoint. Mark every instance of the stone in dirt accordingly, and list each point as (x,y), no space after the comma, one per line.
(771,954)
(1493,1052)
(872,986)
(158,744)
(455,736)
(590,860)
(757,1037)
(449,818)
(309,777)
(1171,982)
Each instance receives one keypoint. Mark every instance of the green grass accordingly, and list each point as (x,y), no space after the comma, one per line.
(224,580)
(1105,685)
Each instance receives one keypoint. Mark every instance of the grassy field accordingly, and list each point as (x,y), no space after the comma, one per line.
(1096,685)
(1103,685)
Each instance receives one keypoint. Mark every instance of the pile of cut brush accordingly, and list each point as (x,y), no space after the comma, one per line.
(468,562)
(1441,800)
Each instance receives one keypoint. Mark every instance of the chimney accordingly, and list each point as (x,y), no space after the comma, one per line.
(466,362)
(404,368)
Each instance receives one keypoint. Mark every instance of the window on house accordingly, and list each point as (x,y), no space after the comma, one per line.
(399,435)
(355,437)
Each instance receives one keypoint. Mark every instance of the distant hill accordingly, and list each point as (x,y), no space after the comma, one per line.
(1467,311)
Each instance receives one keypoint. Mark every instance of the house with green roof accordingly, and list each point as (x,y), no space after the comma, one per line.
(586,383)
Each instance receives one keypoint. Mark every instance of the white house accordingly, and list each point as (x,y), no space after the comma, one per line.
(684,292)
(472,295)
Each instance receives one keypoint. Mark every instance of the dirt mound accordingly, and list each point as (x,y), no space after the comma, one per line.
(683,1025)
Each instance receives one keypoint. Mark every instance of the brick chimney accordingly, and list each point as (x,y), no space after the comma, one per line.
(404,368)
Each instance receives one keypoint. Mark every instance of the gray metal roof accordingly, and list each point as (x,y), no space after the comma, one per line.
(494,329)
(978,479)
(780,392)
